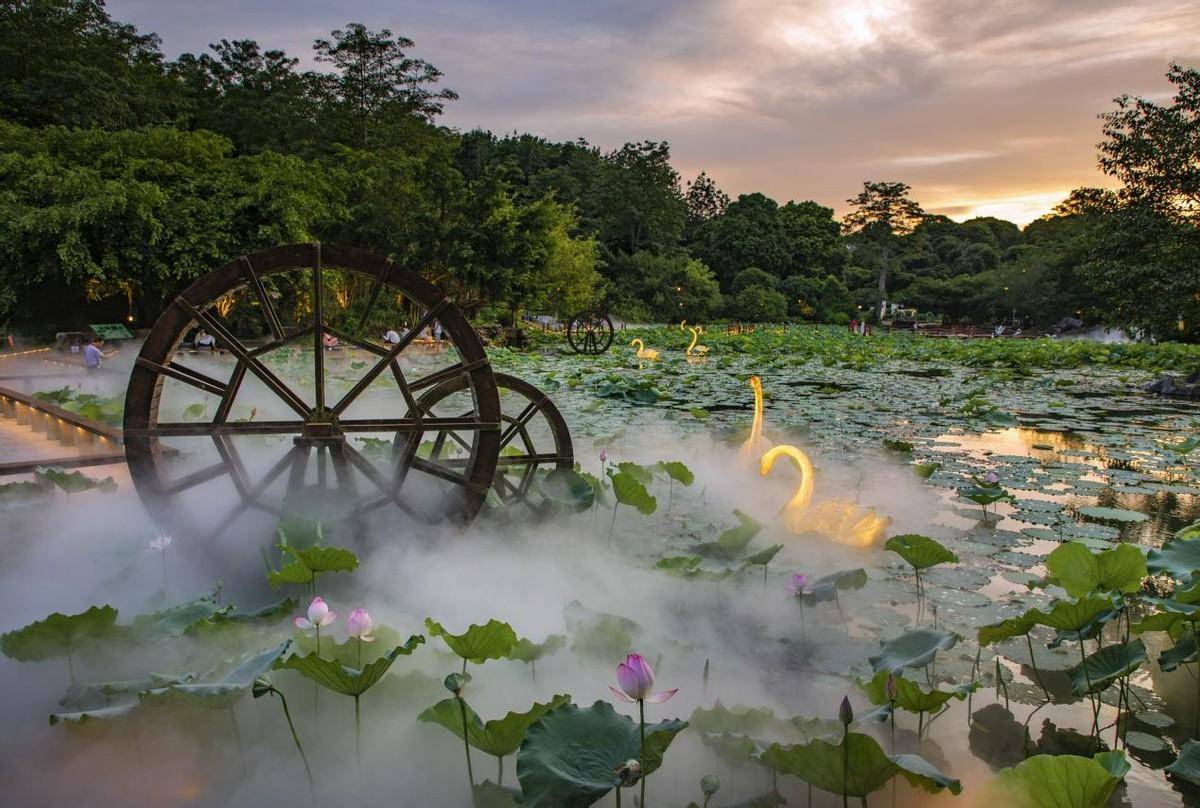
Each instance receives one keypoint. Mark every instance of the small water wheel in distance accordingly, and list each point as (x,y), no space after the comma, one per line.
(303,404)
(590,333)
(534,437)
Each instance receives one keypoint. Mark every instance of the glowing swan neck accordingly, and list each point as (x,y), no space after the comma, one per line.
(695,336)
(804,493)
(638,343)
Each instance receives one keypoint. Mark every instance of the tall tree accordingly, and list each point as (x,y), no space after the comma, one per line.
(1154,149)
(636,200)
(68,62)
(882,213)
(377,81)
(704,201)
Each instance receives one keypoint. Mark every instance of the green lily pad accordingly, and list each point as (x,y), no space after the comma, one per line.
(1145,742)
(346,680)
(1080,571)
(1053,781)
(1187,765)
(568,489)
(1179,557)
(1005,629)
(500,737)
(58,634)
(909,695)
(921,552)
(1113,514)
(228,689)
(827,587)
(735,539)
(632,492)
(529,651)
(823,765)
(914,649)
(677,471)
(478,644)
(570,757)
(1106,666)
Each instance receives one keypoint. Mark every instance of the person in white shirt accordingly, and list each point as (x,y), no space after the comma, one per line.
(391,337)
(205,340)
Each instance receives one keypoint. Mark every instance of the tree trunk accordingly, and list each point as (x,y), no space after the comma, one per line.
(883,273)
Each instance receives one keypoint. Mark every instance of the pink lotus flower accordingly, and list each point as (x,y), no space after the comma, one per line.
(318,616)
(359,624)
(636,679)
(991,478)
(798,585)
(603,456)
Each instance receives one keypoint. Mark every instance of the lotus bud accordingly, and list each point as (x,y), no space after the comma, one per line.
(991,478)
(636,680)
(318,615)
(797,584)
(846,712)
(603,456)
(359,624)
(889,688)
(629,772)
(455,683)
(709,784)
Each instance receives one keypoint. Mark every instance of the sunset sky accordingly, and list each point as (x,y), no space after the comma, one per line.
(985,108)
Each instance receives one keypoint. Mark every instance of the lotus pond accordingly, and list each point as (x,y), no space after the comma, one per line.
(931,573)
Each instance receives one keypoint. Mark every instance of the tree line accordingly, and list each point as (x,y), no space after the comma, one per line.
(124,175)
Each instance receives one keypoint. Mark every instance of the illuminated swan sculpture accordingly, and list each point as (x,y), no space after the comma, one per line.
(694,349)
(755,443)
(838,519)
(643,352)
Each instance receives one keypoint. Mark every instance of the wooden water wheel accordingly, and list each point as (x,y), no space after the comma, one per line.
(590,333)
(534,438)
(282,405)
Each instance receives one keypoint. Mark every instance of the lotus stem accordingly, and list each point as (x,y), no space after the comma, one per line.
(462,707)
(704,691)
(1033,663)
(838,603)
(357,737)
(845,765)
(164,568)
(613,523)
(1088,678)
(1196,721)
(920,724)
(670,495)
(312,792)
(642,753)
(499,770)
(618,791)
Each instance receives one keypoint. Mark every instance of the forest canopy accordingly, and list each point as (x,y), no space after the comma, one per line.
(124,175)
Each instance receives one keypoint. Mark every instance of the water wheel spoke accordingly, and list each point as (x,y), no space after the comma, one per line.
(539,458)
(444,473)
(380,282)
(527,479)
(521,421)
(187,375)
(235,346)
(237,471)
(446,374)
(416,424)
(381,482)
(279,343)
(318,311)
(231,391)
(264,300)
(195,478)
(187,428)
(389,360)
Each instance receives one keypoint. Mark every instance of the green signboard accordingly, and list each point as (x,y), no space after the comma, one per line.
(110,331)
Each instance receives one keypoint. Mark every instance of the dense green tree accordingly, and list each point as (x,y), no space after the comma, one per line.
(68,62)
(820,299)
(814,239)
(376,82)
(705,201)
(748,234)
(664,288)
(636,201)
(752,276)
(89,213)
(256,98)
(756,304)
(881,214)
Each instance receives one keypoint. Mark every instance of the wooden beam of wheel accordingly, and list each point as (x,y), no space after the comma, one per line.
(187,375)
(520,422)
(442,375)
(264,300)
(416,424)
(184,428)
(383,364)
(239,350)
(381,482)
